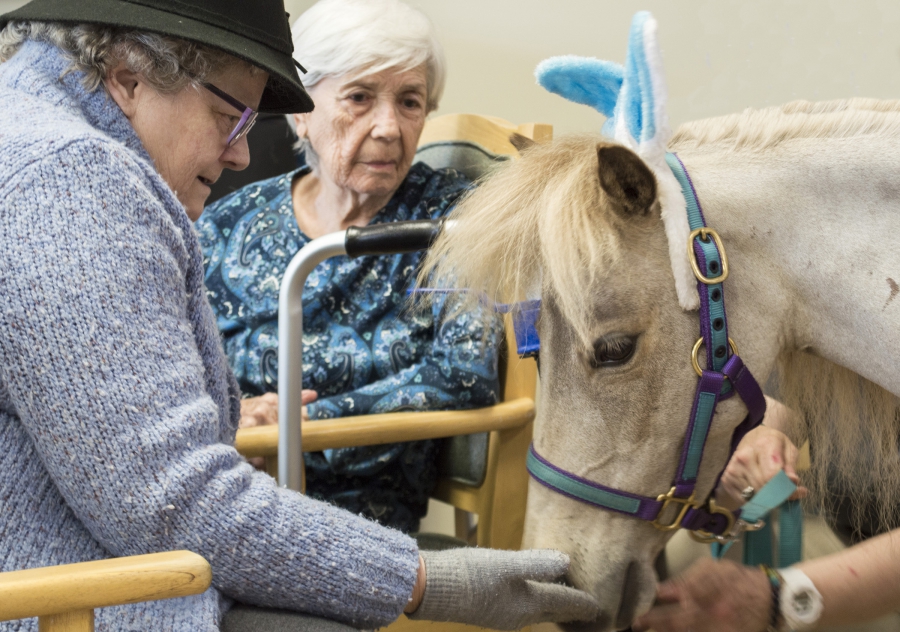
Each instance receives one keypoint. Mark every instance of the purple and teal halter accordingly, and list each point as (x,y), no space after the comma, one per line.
(725,375)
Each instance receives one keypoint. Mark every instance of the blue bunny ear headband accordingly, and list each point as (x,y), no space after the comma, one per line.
(633,98)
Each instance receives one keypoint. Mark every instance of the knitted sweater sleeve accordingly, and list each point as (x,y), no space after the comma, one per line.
(99,354)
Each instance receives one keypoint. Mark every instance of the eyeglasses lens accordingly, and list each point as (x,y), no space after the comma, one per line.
(248,120)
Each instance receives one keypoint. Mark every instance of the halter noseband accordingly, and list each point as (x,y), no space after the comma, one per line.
(724,376)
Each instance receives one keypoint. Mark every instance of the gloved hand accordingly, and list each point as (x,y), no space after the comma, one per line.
(503,590)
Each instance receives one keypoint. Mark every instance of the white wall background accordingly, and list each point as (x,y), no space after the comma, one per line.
(720,55)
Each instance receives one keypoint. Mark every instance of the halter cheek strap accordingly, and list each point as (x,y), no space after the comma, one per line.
(724,375)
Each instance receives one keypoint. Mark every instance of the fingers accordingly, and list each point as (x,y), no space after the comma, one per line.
(759,457)
(259,411)
(800,494)
(258,462)
(543,565)
(666,618)
(791,454)
(557,603)
(711,596)
(263,410)
(742,471)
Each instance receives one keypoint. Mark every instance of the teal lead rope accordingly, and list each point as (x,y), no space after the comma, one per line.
(758,547)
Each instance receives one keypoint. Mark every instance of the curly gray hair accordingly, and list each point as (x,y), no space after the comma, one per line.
(169,64)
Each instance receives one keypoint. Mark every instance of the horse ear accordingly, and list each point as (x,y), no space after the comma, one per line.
(627,180)
(521,143)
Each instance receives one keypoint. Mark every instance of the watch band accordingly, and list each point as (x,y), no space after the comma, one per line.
(775,587)
(801,602)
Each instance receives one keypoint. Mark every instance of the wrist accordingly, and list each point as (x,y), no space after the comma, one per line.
(415,599)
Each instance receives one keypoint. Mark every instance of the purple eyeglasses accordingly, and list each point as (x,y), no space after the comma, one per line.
(248,116)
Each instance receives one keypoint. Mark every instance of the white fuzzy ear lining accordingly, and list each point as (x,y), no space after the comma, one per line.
(674,215)
(647,85)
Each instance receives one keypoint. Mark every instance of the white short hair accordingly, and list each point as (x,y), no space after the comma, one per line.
(335,38)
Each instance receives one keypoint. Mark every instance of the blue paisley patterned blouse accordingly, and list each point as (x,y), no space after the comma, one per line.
(364,350)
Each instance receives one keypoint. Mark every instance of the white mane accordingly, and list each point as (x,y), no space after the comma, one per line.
(758,130)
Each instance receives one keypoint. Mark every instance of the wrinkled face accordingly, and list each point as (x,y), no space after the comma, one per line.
(365,131)
(186,133)
(615,411)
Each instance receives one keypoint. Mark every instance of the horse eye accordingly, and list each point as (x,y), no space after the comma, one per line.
(612,350)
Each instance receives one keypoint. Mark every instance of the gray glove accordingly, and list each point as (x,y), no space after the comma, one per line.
(503,590)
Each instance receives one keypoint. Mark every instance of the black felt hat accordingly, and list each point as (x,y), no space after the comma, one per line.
(253,30)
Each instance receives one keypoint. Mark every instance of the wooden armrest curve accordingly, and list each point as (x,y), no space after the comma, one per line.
(53,590)
(390,427)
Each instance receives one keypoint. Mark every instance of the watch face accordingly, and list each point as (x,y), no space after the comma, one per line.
(801,602)
(804,603)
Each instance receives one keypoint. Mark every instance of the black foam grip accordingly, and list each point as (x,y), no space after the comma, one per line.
(392,237)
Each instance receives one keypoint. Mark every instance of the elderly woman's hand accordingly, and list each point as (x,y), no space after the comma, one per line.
(760,455)
(263,410)
(713,596)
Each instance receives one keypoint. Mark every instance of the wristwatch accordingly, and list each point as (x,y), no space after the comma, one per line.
(801,603)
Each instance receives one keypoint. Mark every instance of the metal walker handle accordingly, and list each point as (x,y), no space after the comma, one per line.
(378,239)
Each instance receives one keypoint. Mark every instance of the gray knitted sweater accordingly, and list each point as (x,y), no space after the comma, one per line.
(117,407)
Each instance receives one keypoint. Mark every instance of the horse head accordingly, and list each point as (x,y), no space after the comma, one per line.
(579,221)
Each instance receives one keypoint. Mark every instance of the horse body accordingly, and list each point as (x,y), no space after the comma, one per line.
(807,218)
(811,225)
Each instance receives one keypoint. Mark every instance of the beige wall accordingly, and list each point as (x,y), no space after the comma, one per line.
(720,55)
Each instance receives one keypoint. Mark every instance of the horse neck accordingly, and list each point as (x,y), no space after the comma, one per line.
(810,228)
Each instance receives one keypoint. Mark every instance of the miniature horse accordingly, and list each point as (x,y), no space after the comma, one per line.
(806,198)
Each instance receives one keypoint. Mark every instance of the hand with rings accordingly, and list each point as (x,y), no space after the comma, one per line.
(760,456)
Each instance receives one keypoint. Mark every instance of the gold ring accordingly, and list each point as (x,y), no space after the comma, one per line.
(696,350)
(704,234)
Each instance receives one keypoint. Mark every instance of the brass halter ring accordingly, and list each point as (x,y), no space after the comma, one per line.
(705,233)
(696,350)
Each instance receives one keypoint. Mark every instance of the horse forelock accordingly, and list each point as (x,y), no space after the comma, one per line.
(761,129)
(538,222)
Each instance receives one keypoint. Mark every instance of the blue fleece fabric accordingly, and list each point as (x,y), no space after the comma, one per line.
(611,89)
(117,406)
(584,80)
(636,99)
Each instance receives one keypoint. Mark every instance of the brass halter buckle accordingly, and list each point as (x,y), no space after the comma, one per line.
(704,234)
(669,499)
(732,531)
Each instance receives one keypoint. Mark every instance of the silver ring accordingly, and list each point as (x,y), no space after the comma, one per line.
(748,493)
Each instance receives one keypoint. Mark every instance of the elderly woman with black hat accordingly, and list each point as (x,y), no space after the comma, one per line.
(117,406)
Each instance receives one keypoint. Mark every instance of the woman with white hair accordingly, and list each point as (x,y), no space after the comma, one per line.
(376,70)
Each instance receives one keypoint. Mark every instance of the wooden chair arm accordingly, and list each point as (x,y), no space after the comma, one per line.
(389,428)
(55,590)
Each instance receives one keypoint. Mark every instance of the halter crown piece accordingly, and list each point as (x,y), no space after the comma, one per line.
(633,98)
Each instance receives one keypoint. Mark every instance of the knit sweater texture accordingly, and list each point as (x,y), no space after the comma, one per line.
(118,410)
